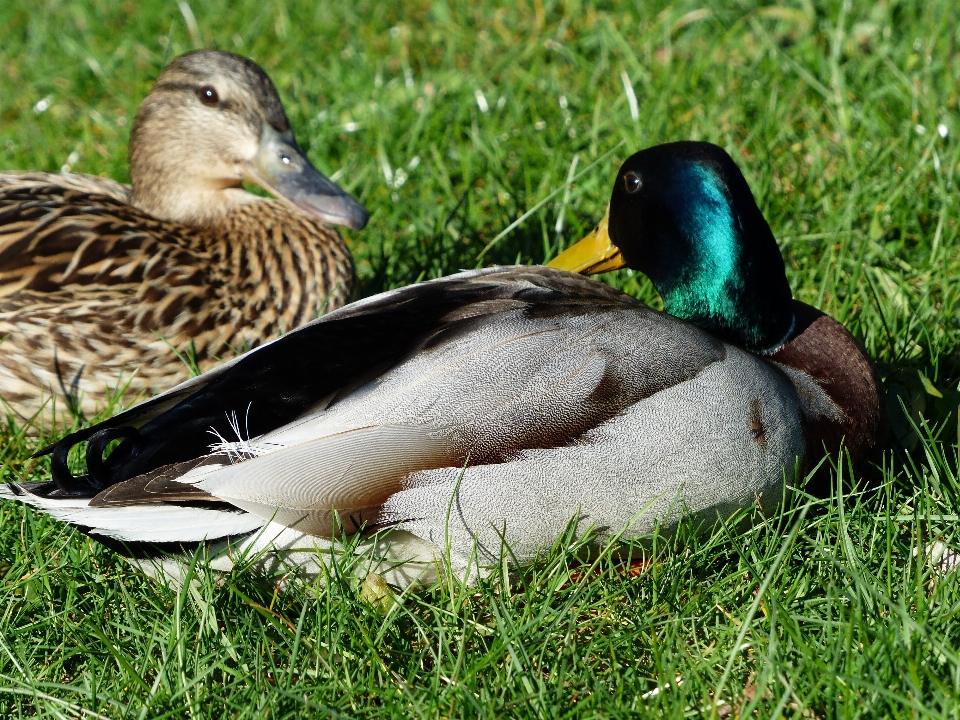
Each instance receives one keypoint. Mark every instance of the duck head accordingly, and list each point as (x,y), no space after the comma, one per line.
(683,214)
(213,120)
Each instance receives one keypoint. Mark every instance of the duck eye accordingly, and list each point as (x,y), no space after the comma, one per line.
(631,182)
(208,95)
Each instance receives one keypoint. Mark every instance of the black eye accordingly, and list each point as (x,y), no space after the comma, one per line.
(207,95)
(631,182)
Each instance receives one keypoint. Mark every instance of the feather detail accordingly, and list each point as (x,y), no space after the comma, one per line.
(351,472)
(92,290)
(153,488)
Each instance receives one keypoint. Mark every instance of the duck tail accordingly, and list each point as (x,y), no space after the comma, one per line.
(154,523)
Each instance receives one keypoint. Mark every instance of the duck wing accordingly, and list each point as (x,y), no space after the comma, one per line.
(68,237)
(490,362)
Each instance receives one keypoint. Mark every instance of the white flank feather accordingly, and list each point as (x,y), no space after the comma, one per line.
(402,559)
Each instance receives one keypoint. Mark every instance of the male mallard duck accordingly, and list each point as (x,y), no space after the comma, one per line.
(495,405)
(99,279)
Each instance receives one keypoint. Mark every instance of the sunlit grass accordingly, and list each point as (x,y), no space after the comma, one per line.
(450,122)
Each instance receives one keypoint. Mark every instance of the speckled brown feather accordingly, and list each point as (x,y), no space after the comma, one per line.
(91,287)
(99,279)
(92,184)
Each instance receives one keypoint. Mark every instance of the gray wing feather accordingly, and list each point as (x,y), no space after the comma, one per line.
(483,397)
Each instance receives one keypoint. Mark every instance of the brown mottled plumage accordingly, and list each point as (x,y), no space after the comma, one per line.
(99,281)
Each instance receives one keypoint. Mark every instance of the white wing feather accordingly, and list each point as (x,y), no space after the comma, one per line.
(350,471)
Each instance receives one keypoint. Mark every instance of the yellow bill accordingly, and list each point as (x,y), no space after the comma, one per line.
(594,254)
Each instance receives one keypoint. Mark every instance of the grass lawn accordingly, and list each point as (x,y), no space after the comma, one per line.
(451,121)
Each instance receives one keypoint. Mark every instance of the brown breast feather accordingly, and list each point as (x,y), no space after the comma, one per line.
(824,350)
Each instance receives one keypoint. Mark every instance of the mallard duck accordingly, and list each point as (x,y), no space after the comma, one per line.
(495,406)
(99,280)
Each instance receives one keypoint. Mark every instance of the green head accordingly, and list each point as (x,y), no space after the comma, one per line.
(683,215)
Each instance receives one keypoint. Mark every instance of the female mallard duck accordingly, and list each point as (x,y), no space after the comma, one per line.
(495,405)
(99,279)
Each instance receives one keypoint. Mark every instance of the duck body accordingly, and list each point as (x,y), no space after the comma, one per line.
(485,408)
(571,400)
(101,282)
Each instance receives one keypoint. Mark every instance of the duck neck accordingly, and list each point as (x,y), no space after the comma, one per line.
(172,182)
(731,278)
(743,307)
(199,207)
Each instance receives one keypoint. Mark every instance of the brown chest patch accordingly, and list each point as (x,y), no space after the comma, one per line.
(825,351)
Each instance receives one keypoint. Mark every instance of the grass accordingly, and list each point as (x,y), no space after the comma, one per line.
(450,121)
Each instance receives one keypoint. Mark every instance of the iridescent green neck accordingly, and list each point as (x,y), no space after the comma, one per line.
(704,285)
(717,263)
